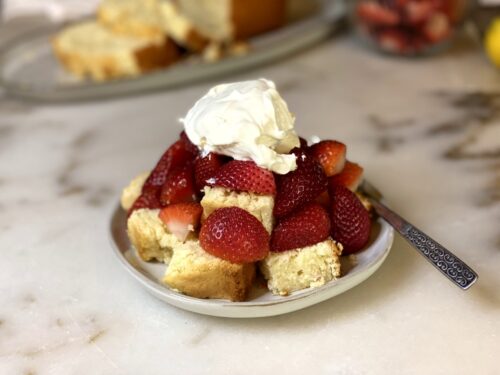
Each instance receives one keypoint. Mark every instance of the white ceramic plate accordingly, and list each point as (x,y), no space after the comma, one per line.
(28,68)
(261,302)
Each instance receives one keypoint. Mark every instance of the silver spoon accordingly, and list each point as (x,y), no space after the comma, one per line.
(444,260)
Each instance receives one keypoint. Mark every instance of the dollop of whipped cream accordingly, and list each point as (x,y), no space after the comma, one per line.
(245,120)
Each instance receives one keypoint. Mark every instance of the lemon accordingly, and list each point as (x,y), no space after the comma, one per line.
(492,42)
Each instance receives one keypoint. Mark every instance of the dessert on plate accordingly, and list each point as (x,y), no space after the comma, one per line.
(241,194)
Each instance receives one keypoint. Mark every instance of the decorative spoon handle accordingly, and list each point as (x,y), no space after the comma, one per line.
(444,260)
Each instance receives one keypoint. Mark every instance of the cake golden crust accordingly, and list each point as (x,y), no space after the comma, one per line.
(253,17)
(196,273)
(297,269)
(149,236)
(88,49)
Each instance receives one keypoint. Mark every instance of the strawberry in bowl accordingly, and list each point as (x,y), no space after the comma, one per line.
(240,193)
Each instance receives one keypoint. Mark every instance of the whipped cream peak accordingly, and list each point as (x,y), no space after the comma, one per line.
(246,120)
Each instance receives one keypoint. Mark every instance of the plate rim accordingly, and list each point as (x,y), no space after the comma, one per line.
(249,309)
(319,26)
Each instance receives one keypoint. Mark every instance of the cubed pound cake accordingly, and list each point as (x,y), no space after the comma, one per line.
(260,206)
(227,20)
(133,191)
(150,237)
(297,269)
(89,49)
(197,273)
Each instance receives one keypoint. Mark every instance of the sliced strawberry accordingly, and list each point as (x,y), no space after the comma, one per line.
(373,13)
(181,218)
(437,27)
(179,186)
(304,227)
(245,176)
(350,177)
(330,154)
(299,187)
(148,199)
(176,155)
(205,168)
(188,145)
(349,219)
(417,12)
(233,234)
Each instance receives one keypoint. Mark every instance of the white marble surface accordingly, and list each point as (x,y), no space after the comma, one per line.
(428,134)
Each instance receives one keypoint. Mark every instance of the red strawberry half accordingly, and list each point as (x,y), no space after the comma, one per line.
(349,219)
(179,186)
(302,228)
(148,199)
(188,145)
(330,154)
(205,168)
(350,177)
(245,176)
(233,234)
(376,14)
(299,187)
(176,155)
(181,218)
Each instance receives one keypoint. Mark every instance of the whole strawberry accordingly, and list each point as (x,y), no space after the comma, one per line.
(349,219)
(305,227)
(245,176)
(233,234)
(299,187)
(205,168)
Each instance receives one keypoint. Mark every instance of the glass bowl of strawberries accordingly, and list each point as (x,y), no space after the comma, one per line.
(409,27)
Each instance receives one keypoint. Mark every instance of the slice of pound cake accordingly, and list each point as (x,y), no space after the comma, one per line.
(149,236)
(197,273)
(89,49)
(297,269)
(228,20)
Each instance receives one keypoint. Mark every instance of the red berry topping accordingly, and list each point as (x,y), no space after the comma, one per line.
(350,220)
(437,28)
(181,218)
(304,227)
(299,187)
(189,146)
(205,168)
(376,14)
(176,156)
(231,233)
(179,186)
(245,176)
(350,177)
(417,12)
(330,154)
(148,199)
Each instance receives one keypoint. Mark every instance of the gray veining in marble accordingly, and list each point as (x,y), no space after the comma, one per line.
(428,134)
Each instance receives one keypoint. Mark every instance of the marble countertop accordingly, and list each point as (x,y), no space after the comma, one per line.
(427,132)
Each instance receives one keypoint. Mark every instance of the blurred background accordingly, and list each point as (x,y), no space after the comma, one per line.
(59,50)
